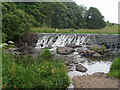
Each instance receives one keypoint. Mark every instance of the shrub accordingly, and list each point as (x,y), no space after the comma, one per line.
(115,68)
(4,37)
(19,72)
(45,54)
(9,46)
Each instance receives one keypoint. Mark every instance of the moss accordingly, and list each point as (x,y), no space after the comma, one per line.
(97,47)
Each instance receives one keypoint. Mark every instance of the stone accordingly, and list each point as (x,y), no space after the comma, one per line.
(97,55)
(81,68)
(10,42)
(64,50)
(86,52)
(100,74)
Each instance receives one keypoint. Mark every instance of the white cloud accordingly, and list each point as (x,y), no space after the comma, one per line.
(108,8)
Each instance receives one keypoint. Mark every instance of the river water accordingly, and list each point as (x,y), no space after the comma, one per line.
(93,64)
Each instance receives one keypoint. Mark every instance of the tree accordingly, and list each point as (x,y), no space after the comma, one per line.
(94,19)
(16,22)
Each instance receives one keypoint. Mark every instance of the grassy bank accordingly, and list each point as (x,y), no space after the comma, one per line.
(115,68)
(107,30)
(25,71)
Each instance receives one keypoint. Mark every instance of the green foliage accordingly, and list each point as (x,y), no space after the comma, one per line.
(4,37)
(97,47)
(8,46)
(115,68)
(19,17)
(94,19)
(16,22)
(59,14)
(25,71)
(106,30)
(46,54)
(15,25)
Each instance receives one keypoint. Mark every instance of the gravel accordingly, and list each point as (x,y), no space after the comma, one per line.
(95,81)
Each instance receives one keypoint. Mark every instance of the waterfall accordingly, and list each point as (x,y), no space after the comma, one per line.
(49,40)
(60,40)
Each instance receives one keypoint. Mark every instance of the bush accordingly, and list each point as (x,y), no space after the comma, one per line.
(9,46)
(4,37)
(45,54)
(25,71)
(115,68)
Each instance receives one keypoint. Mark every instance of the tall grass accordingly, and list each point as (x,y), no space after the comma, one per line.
(115,68)
(25,71)
(107,30)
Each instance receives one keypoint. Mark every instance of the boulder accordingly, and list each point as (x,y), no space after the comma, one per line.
(97,55)
(10,42)
(100,74)
(86,52)
(81,68)
(64,50)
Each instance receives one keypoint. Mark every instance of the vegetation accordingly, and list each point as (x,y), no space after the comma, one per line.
(107,30)
(19,17)
(94,19)
(8,46)
(25,71)
(115,68)
(97,47)
(46,54)
(15,22)
(4,37)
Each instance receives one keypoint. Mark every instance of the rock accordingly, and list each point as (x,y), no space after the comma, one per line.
(10,42)
(87,53)
(97,55)
(109,54)
(100,74)
(90,52)
(71,67)
(100,52)
(81,68)
(64,50)
(73,45)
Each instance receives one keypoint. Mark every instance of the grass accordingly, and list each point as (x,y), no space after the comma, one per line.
(107,30)
(98,47)
(26,71)
(115,68)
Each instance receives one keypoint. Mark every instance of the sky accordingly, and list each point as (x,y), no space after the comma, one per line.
(108,8)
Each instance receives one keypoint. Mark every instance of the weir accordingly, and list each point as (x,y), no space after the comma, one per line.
(50,40)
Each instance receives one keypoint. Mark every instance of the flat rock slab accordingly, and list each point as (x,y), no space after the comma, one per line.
(64,50)
(91,81)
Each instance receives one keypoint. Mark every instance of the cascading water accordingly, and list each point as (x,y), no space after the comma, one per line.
(53,41)
(57,40)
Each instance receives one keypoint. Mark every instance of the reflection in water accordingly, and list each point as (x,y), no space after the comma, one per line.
(93,65)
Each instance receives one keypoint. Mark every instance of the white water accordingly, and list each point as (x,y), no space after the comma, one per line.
(52,41)
(62,40)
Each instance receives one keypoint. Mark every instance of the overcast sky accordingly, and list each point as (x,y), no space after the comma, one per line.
(108,8)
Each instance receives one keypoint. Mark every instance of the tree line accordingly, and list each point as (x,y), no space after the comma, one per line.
(19,17)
